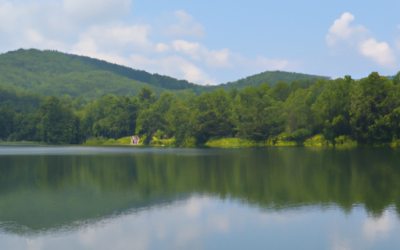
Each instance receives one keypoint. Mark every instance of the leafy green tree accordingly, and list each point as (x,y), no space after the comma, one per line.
(281,91)
(395,122)
(249,110)
(233,93)
(297,110)
(396,79)
(146,96)
(212,116)
(178,118)
(129,110)
(25,128)
(368,110)
(111,116)
(295,85)
(57,122)
(6,122)
(264,88)
(275,118)
(300,136)
(331,109)
(154,118)
(339,126)
(20,101)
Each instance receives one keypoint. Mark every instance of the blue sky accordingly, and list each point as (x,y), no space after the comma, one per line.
(211,42)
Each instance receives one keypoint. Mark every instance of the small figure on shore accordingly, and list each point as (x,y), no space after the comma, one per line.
(135,140)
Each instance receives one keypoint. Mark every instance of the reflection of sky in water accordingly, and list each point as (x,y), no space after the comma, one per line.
(209,223)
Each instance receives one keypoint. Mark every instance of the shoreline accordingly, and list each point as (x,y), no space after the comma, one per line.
(251,145)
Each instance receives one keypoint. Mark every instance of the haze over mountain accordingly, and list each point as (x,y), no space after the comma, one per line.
(55,73)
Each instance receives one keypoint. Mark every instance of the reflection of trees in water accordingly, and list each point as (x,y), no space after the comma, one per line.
(54,191)
(43,225)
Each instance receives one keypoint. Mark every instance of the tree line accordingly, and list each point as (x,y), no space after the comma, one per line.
(366,111)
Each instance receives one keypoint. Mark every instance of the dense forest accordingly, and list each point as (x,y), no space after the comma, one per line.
(365,111)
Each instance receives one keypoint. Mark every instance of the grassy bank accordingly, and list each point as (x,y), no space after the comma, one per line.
(283,141)
(125,141)
(96,141)
(279,141)
(233,143)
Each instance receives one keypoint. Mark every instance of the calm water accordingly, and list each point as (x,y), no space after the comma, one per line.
(136,198)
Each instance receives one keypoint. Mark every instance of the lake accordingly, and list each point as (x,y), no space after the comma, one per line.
(163,198)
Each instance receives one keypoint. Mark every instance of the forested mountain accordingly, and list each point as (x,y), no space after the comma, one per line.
(340,111)
(59,98)
(55,73)
(271,77)
(20,101)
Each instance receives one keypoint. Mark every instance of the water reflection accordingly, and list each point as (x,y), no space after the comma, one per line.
(155,199)
(202,222)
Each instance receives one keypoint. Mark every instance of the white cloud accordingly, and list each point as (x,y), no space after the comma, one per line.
(192,49)
(94,28)
(360,38)
(87,46)
(91,44)
(374,227)
(8,16)
(174,65)
(115,42)
(379,52)
(116,36)
(34,244)
(194,206)
(191,72)
(161,47)
(95,10)
(221,223)
(197,51)
(341,30)
(225,58)
(341,245)
(37,24)
(138,238)
(33,36)
(171,65)
(218,58)
(186,26)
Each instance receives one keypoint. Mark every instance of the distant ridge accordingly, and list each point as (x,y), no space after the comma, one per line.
(270,77)
(55,73)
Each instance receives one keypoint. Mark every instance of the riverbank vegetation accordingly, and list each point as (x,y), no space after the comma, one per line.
(340,112)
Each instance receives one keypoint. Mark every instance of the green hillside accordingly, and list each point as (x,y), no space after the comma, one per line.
(21,101)
(55,73)
(271,77)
